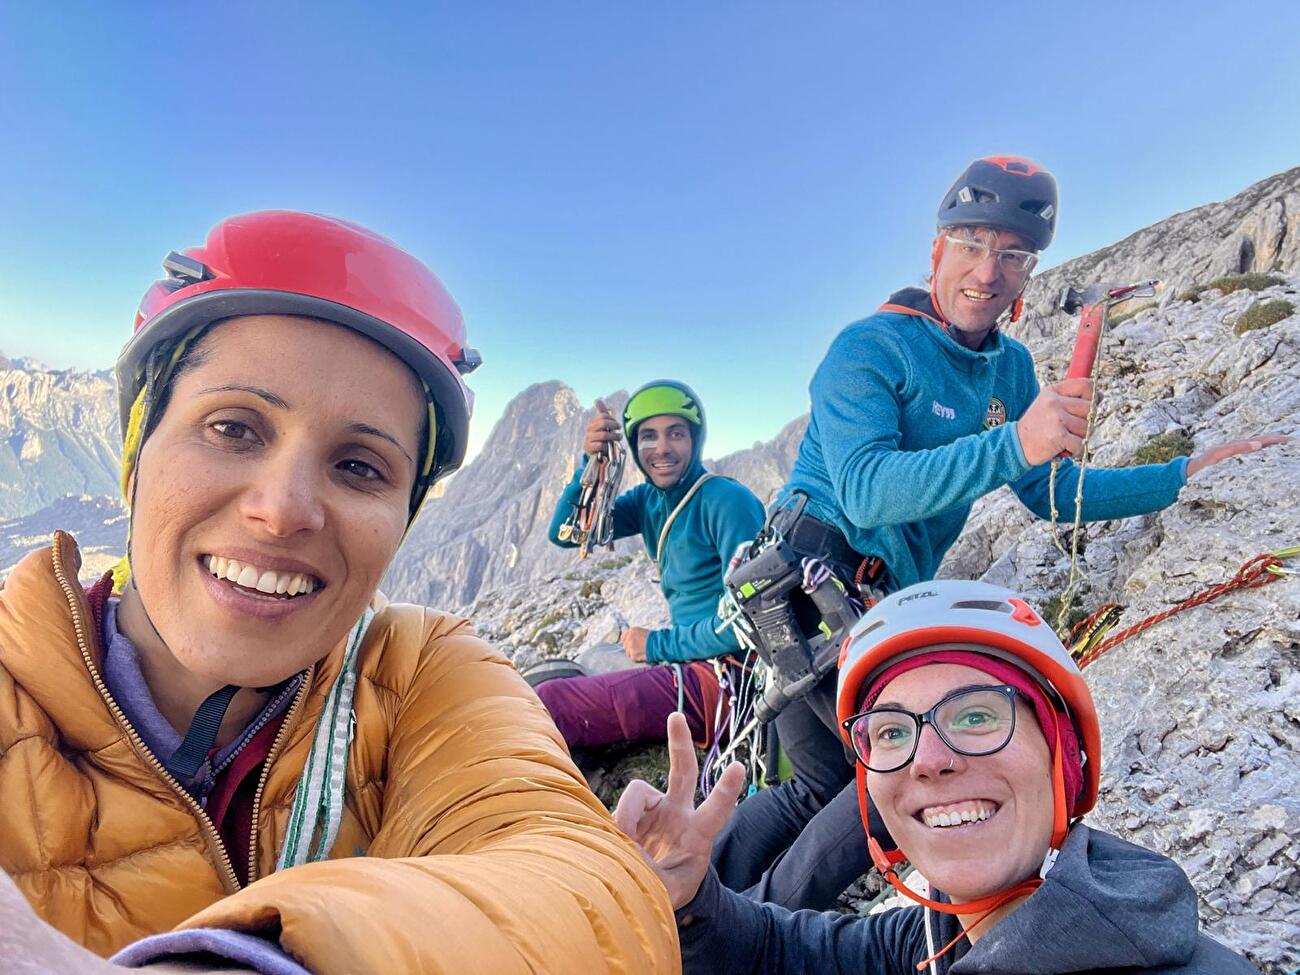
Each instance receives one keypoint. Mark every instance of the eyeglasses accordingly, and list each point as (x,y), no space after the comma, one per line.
(971,721)
(974,252)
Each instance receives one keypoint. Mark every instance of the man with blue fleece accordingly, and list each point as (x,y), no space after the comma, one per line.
(918,411)
(710,517)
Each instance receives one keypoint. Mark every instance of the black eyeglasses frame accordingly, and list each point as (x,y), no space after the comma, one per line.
(921,720)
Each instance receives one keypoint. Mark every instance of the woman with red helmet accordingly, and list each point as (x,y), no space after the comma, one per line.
(978,741)
(232,753)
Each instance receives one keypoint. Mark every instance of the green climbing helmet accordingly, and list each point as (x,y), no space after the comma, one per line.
(659,398)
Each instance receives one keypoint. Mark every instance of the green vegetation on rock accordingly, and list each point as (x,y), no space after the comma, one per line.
(1075,615)
(617,562)
(1163,448)
(1262,314)
(1232,282)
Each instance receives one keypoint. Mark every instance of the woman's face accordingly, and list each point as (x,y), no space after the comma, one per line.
(272,494)
(1012,788)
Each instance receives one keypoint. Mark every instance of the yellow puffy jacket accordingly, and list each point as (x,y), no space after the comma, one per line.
(483,850)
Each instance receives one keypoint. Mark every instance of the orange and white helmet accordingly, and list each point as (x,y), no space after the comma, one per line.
(965,616)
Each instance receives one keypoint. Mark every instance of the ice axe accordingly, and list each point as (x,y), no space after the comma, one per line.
(1093,303)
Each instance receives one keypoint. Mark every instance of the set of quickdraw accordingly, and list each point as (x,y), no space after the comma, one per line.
(740,684)
(591,522)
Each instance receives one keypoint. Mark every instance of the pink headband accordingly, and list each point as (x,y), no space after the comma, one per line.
(1050,718)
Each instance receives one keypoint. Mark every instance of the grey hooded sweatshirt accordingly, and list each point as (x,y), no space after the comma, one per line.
(1106,907)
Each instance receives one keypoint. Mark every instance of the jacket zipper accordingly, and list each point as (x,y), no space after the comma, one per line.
(78,624)
(268,714)
(285,725)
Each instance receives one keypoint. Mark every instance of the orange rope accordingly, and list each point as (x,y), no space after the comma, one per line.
(1253,574)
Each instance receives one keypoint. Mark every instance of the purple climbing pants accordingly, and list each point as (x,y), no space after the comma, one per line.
(630,705)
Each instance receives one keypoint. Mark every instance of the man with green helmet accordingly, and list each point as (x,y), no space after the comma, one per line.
(691,522)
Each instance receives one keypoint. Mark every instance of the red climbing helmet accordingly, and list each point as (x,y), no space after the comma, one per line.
(284,262)
(1007,192)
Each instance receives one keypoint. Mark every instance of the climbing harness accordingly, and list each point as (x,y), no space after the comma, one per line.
(1087,645)
(761,602)
(1093,304)
(791,614)
(591,522)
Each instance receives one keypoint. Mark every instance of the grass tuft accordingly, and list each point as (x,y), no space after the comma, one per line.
(1253,281)
(1262,314)
(1163,448)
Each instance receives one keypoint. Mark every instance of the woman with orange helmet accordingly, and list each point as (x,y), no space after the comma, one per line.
(232,753)
(977,741)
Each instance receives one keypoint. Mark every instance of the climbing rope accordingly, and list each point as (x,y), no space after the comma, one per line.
(1085,454)
(738,691)
(1098,298)
(1254,574)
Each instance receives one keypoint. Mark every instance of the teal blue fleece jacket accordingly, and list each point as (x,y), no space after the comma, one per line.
(699,545)
(909,428)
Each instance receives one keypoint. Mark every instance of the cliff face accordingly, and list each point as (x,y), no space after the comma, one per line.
(1256,230)
(58,435)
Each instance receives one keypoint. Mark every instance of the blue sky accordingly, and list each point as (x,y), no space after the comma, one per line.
(613,192)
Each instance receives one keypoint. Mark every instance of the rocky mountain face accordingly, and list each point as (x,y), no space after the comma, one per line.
(765,465)
(58,435)
(1256,230)
(97,522)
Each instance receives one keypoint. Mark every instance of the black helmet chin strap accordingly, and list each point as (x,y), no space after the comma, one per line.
(186,761)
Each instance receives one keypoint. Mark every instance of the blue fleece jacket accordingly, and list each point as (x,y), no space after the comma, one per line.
(699,545)
(909,428)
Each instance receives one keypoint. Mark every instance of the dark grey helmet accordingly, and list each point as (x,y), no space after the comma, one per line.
(1007,192)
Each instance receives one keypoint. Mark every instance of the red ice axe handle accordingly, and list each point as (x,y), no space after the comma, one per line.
(1085,341)
(1092,303)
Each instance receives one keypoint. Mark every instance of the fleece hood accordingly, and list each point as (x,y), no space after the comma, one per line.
(1105,905)
(667,397)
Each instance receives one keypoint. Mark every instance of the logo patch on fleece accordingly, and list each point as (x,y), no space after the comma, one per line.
(995,415)
(943,412)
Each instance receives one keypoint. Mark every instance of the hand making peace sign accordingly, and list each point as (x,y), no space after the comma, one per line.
(675,836)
